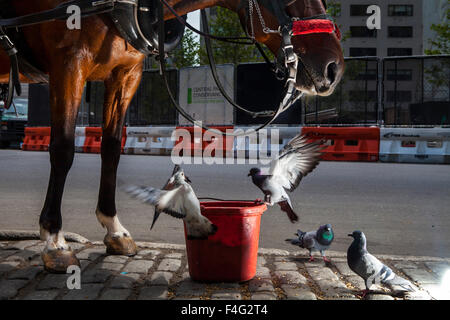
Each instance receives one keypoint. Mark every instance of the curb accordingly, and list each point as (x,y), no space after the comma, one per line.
(18,235)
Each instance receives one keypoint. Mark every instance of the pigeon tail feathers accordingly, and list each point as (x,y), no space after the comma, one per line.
(295,242)
(285,206)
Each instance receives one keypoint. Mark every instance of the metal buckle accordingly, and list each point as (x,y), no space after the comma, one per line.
(6,42)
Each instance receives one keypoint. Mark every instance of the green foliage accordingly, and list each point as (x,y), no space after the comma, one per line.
(186,54)
(226,23)
(334,9)
(441,43)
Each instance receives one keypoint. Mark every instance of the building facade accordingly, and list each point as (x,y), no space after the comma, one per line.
(405,26)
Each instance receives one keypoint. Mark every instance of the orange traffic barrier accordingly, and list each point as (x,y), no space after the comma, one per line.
(93,142)
(36,139)
(206,141)
(347,144)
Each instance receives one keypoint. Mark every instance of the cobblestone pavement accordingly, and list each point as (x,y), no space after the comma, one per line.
(160,272)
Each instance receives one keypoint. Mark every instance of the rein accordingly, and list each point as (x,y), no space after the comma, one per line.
(285,65)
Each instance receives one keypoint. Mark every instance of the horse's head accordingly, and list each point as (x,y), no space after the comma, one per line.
(315,42)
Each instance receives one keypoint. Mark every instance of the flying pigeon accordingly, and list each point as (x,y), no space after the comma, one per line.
(319,240)
(178,200)
(169,186)
(296,160)
(369,267)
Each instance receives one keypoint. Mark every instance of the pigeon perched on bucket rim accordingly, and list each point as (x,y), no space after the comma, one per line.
(296,160)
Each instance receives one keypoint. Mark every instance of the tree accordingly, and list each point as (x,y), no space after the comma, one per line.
(186,54)
(334,9)
(436,70)
(226,23)
(441,43)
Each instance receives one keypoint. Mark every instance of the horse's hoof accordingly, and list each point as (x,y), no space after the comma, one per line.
(124,246)
(57,261)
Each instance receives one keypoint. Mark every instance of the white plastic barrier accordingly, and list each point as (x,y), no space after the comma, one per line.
(80,138)
(415,145)
(149,140)
(260,144)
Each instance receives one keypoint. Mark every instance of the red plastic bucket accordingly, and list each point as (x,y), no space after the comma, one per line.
(231,254)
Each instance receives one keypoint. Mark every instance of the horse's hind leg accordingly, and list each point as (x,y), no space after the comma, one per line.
(65,95)
(119,90)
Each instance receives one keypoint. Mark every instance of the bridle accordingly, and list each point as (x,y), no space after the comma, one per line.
(286,62)
(285,65)
(288,27)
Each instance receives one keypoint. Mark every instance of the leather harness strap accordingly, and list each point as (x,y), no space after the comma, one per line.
(14,81)
(151,39)
(290,97)
(87,7)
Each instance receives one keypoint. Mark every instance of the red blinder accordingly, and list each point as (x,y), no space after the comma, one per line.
(315,26)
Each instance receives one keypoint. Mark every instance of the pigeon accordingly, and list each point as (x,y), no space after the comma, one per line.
(319,240)
(169,186)
(296,160)
(177,199)
(369,267)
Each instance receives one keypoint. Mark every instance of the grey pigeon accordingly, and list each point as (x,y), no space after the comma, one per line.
(178,200)
(295,161)
(369,267)
(319,240)
(169,186)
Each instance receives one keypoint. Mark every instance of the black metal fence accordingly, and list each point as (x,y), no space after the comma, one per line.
(417,90)
(151,104)
(413,90)
(354,101)
(257,90)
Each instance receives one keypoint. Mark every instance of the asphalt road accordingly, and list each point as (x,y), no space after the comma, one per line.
(403,208)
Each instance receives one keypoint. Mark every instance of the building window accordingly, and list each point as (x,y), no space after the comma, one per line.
(370,74)
(363,32)
(400,32)
(399,96)
(399,75)
(358,9)
(400,10)
(362,95)
(399,52)
(360,52)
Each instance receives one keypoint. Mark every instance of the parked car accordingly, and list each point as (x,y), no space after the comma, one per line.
(12,124)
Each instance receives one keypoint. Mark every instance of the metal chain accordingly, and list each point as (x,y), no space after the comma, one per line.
(252,27)
(266,30)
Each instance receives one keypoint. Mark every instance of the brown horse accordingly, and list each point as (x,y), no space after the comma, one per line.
(97,52)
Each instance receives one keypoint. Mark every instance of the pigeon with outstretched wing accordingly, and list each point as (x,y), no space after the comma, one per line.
(169,186)
(296,160)
(177,199)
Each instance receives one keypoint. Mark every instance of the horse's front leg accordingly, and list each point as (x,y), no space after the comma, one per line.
(119,90)
(66,89)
